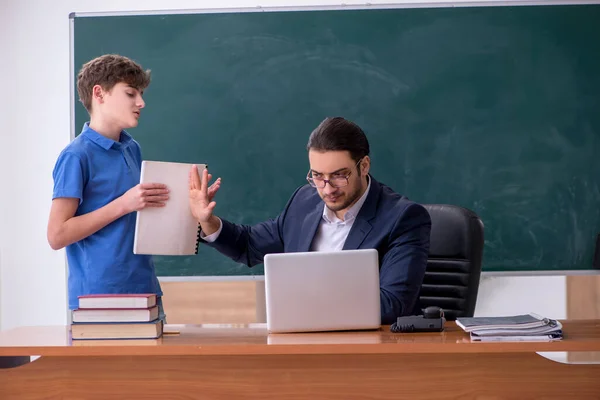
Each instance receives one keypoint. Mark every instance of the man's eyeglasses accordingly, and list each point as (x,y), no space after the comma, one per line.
(336,180)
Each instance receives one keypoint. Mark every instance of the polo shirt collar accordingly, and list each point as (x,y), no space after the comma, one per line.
(103,141)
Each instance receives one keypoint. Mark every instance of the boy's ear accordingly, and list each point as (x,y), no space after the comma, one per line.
(98,93)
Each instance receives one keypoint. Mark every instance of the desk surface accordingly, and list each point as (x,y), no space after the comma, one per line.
(253,339)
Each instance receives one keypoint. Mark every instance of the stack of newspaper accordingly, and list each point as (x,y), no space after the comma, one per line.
(527,328)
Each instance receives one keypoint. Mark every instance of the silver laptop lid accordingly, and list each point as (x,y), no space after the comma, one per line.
(322,291)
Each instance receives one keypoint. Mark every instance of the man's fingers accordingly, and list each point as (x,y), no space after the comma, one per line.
(211,206)
(214,188)
(194,178)
(215,183)
(204,181)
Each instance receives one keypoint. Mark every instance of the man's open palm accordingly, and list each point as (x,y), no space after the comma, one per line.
(201,196)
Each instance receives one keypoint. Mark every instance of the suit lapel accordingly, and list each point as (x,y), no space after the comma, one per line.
(362,226)
(358,233)
(309,227)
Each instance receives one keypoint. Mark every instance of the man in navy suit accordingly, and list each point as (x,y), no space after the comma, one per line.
(341,208)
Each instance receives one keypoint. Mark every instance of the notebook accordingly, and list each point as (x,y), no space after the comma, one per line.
(322,291)
(169,230)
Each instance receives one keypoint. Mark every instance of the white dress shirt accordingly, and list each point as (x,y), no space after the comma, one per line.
(332,232)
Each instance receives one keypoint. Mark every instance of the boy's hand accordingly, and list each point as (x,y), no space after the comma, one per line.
(144,195)
(201,196)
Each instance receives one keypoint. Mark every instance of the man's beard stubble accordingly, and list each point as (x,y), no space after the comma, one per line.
(350,199)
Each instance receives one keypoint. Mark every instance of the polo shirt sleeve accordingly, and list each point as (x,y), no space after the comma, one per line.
(68,177)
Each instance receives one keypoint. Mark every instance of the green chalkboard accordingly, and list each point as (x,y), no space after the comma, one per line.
(496,109)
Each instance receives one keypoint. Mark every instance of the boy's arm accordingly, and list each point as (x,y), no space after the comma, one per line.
(64,228)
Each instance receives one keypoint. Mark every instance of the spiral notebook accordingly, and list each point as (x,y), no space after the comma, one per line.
(170,230)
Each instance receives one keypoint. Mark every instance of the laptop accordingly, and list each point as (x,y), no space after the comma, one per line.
(322,291)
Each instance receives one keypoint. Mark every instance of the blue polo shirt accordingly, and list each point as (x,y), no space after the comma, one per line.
(96,170)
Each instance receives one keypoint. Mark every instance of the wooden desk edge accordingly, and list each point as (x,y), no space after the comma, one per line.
(199,341)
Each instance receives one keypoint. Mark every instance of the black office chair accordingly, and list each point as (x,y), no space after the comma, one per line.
(454,265)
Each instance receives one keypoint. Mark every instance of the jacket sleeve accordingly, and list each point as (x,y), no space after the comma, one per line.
(403,265)
(247,244)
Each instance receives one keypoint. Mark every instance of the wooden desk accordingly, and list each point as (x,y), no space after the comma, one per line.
(243,361)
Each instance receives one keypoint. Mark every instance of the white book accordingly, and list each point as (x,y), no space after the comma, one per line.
(115,315)
(117,300)
(117,330)
(169,230)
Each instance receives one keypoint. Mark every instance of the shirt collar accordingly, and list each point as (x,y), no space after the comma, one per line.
(329,215)
(103,141)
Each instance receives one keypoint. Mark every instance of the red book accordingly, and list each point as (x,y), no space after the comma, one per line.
(126,300)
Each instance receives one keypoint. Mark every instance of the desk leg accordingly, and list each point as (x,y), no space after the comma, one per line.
(350,377)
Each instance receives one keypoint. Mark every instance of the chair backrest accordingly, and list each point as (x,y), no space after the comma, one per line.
(454,265)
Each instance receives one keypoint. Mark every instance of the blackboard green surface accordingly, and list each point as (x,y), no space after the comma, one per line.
(496,109)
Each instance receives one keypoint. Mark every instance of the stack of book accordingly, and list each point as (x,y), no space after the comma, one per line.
(116,316)
(518,328)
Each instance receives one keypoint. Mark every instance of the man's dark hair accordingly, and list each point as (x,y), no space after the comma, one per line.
(339,134)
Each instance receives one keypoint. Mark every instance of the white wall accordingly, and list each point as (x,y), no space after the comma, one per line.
(510,295)
(34,127)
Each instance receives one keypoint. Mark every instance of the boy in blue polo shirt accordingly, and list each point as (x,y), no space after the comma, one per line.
(96,186)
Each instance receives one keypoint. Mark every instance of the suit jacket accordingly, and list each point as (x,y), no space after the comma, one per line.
(398,228)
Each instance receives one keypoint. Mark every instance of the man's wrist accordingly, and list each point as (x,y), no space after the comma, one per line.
(214,235)
(211,226)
